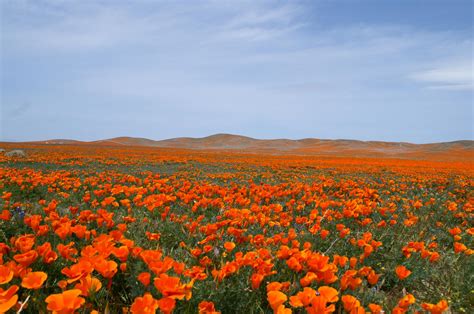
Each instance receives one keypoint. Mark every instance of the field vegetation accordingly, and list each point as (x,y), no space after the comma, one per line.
(87,229)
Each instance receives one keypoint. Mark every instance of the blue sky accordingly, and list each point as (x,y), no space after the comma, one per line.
(368,70)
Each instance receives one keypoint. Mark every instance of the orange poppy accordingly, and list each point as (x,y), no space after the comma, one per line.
(229,246)
(373,278)
(167,305)
(375,308)
(437,308)
(121,252)
(402,272)
(144,305)
(67,302)
(6,274)
(8,298)
(275,299)
(105,267)
(77,271)
(34,280)
(303,298)
(406,301)
(459,247)
(27,258)
(88,285)
(320,306)
(144,278)
(274,286)
(351,304)
(329,294)
(308,279)
(170,287)
(207,307)
(256,279)
(294,264)
(25,242)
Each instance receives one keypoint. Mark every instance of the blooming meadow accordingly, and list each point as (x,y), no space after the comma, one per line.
(87,229)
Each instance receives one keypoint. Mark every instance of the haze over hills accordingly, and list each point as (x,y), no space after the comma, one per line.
(455,150)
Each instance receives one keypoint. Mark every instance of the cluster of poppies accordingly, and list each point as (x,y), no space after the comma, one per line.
(145,231)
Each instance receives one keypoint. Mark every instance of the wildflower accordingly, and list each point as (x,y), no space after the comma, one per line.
(27,258)
(34,280)
(144,278)
(402,272)
(88,285)
(6,274)
(352,305)
(67,302)
(275,299)
(375,308)
(206,307)
(8,298)
(167,305)
(144,305)
(170,287)
(406,301)
(229,246)
(437,308)
(106,268)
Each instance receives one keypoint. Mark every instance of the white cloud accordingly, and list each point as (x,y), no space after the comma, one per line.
(69,27)
(256,23)
(83,27)
(458,76)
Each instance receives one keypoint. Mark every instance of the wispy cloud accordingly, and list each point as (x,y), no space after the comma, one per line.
(262,22)
(458,76)
(48,26)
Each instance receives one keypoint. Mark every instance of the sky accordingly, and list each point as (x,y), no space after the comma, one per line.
(367,70)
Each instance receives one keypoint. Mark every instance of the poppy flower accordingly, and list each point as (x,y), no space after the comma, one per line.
(329,294)
(350,280)
(229,246)
(34,280)
(350,303)
(437,308)
(207,307)
(320,306)
(459,247)
(308,279)
(25,242)
(274,286)
(406,301)
(276,298)
(144,305)
(375,308)
(88,285)
(373,278)
(303,298)
(6,274)
(294,264)
(106,268)
(121,253)
(256,279)
(402,272)
(144,278)
(27,258)
(167,305)
(67,302)
(8,298)
(170,287)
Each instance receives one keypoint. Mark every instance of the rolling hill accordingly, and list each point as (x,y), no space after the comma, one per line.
(457,150)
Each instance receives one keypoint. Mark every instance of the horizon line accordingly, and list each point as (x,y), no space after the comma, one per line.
(235,135)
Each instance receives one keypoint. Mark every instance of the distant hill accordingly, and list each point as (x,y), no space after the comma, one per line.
(308,146)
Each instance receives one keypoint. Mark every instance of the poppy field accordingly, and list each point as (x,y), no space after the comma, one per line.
(96,229)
